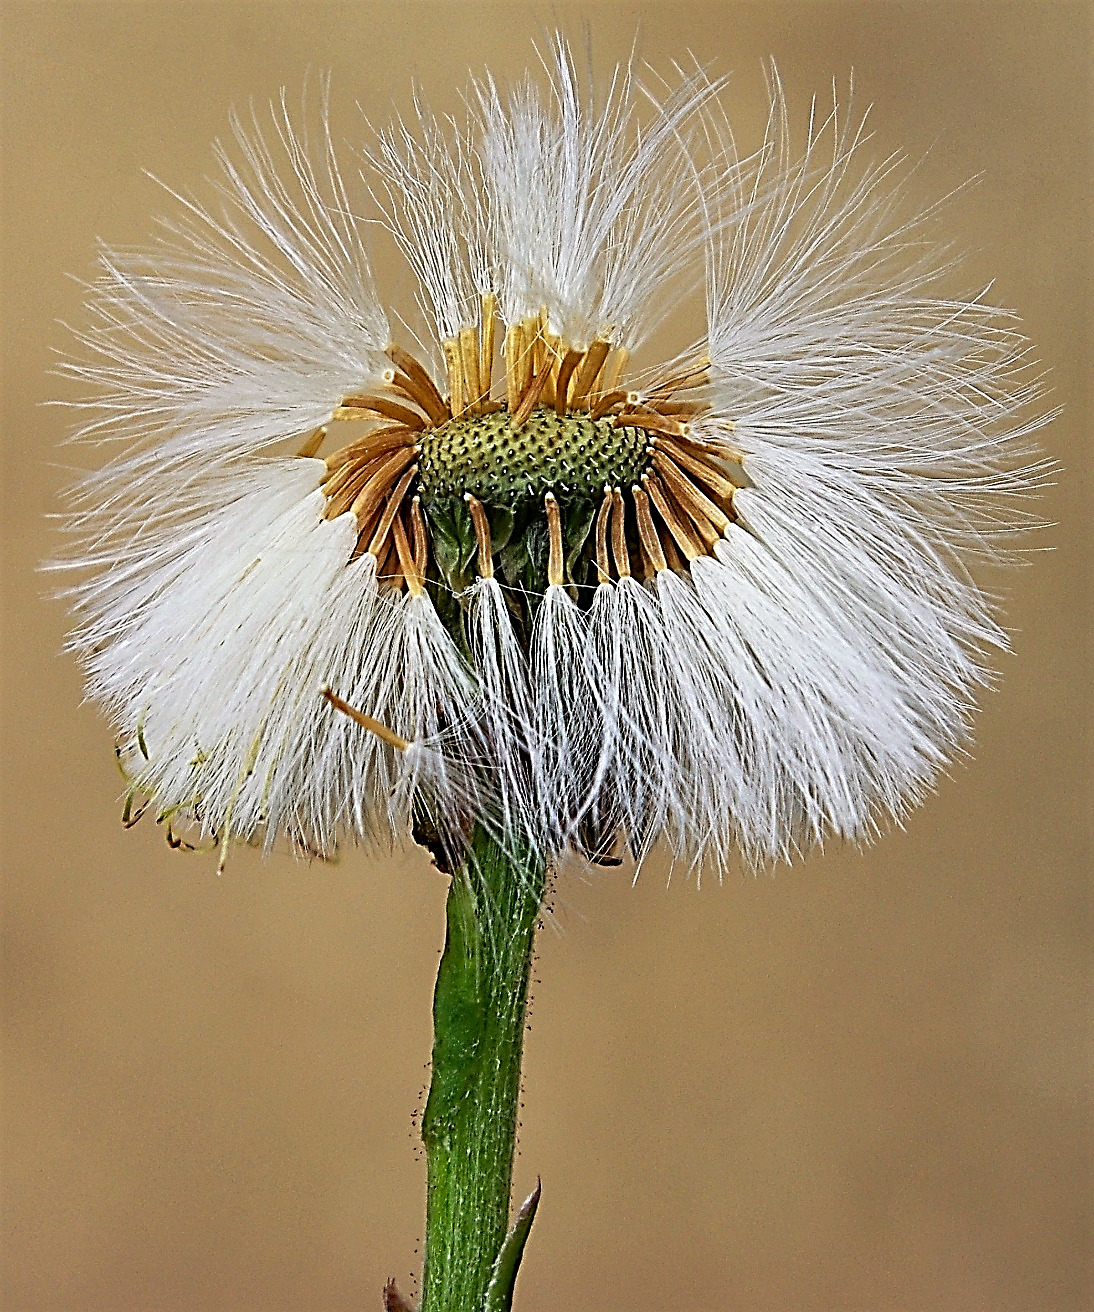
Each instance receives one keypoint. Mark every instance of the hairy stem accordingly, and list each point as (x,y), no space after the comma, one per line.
(470,1122)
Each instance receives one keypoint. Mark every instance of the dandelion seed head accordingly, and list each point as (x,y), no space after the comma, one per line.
(333,588)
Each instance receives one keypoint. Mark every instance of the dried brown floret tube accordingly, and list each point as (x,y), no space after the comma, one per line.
(368,504)
(387,565)
(532,394)
(562,384)
(378,480)
(381,731)
(482,535)
(552,342)
(419,537)
(673,558)
(406,557)
(549,353)
(641,407)
(437,413)
(649,420)
(312,445)
(357,472)
(614,366)
(704,446)
(603,519)
(702,469)
(529,335)
(696,524)
(608,401)
(391,461)
(418,385)
(619,535)
(677,525)
(453,359)
(394,501)
(469,365)
(365,526)
(487,321)
(647,534)
(531,325)
(688,495)
(368,516)
(376,443)
(554,540)
(691,517)
(533,346)
(364,537)
(514,366)
(543,329)
(587,372)
(351,480)
(344,470)
(525,336)
(380,405)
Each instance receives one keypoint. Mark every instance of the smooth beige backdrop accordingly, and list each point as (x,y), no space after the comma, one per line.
(857,1084)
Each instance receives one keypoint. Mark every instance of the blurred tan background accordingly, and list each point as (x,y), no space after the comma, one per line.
(859,1084)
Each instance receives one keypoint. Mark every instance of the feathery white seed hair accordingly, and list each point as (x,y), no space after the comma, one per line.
(810,676)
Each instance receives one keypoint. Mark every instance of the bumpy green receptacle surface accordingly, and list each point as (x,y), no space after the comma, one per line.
(503,465)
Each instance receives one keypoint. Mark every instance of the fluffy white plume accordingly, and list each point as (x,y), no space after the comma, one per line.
(807,675)
(554,201)
(591,216)
(238,327)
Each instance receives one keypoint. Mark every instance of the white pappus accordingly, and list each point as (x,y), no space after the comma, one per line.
(728,600)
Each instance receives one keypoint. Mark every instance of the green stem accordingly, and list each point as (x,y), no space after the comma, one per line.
(470,1122)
